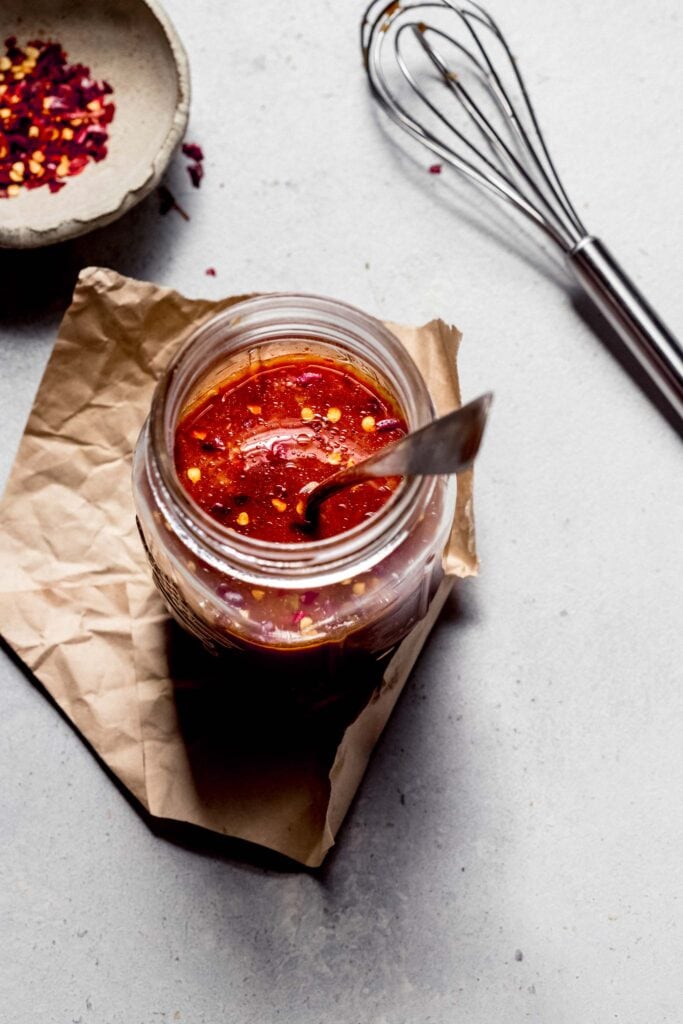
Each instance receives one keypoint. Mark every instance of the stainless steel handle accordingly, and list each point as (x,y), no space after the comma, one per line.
(618,299)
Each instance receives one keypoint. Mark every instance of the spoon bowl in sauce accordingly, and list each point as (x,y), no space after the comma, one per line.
(447,445)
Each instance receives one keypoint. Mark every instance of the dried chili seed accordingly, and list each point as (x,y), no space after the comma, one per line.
(53,117)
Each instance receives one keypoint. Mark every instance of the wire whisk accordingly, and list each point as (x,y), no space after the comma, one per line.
(444,72)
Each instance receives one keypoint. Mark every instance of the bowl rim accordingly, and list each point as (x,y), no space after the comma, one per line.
(24,236)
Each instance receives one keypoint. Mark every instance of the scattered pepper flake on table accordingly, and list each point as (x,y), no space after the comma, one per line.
(167,202)
(193,151)
(196,172)
(54,117)
(196,168)
(435,169)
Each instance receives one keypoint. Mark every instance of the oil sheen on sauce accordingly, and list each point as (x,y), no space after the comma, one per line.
(245,451)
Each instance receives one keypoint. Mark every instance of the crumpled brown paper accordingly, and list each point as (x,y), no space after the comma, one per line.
(78,606)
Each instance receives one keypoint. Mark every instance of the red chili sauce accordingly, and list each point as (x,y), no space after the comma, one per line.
(245,451)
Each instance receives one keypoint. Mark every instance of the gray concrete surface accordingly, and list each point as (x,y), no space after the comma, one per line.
(515,851)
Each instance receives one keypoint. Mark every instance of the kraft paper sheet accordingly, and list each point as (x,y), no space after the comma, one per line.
(78,606)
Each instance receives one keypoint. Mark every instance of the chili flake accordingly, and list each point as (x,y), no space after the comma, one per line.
(167,202)
(196,168)
(193,151)
(196,172)
(54,117)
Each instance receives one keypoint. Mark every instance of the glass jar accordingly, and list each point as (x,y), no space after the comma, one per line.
(315,619)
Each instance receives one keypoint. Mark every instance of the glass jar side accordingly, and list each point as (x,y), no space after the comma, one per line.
(374,603)
(360,592)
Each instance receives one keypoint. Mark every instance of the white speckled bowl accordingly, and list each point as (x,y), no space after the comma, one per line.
(133,45)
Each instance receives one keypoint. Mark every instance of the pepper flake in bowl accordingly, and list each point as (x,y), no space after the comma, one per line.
(94,96)
(53,117)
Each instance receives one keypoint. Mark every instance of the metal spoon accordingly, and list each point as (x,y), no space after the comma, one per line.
(446,445)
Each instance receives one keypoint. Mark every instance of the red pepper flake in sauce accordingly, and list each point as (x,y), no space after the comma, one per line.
(267,433)
(54,117)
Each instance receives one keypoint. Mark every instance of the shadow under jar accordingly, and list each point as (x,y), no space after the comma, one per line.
(309,624)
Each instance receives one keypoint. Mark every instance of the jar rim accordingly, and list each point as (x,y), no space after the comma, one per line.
(280,310)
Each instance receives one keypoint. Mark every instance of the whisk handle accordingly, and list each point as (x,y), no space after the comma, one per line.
(647,338)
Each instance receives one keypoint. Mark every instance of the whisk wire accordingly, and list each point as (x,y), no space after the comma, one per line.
(373,30)
(561,191)
(514,163)
(486,128)
(550,175)
(541,197)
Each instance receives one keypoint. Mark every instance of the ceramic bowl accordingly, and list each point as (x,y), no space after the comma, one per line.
(133,46)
